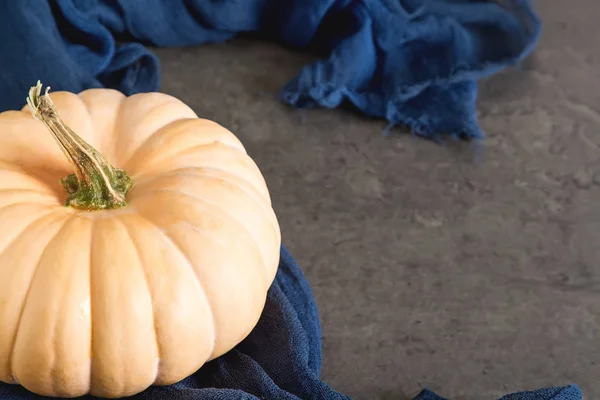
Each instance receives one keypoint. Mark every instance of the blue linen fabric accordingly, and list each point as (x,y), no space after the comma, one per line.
(411,61)
(570,392)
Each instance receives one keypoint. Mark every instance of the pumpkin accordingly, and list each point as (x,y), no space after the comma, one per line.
(137,242)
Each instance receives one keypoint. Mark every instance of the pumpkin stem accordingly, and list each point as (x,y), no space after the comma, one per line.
(95,185)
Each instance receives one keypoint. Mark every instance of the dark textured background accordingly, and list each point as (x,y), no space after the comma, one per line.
(473,272)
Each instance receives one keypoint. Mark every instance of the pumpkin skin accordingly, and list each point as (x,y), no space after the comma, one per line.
(110,302)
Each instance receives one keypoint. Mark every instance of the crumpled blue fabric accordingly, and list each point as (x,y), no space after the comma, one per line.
(412,62)
(409,61)
(279,360)
(570,392)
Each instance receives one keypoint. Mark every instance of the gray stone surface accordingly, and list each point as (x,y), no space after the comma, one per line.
(473,273)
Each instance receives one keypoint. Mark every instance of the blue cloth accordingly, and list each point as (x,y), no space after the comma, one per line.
(571,392)
(412,62)
(280,360)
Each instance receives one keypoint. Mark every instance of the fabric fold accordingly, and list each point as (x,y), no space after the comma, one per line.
(384,58)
